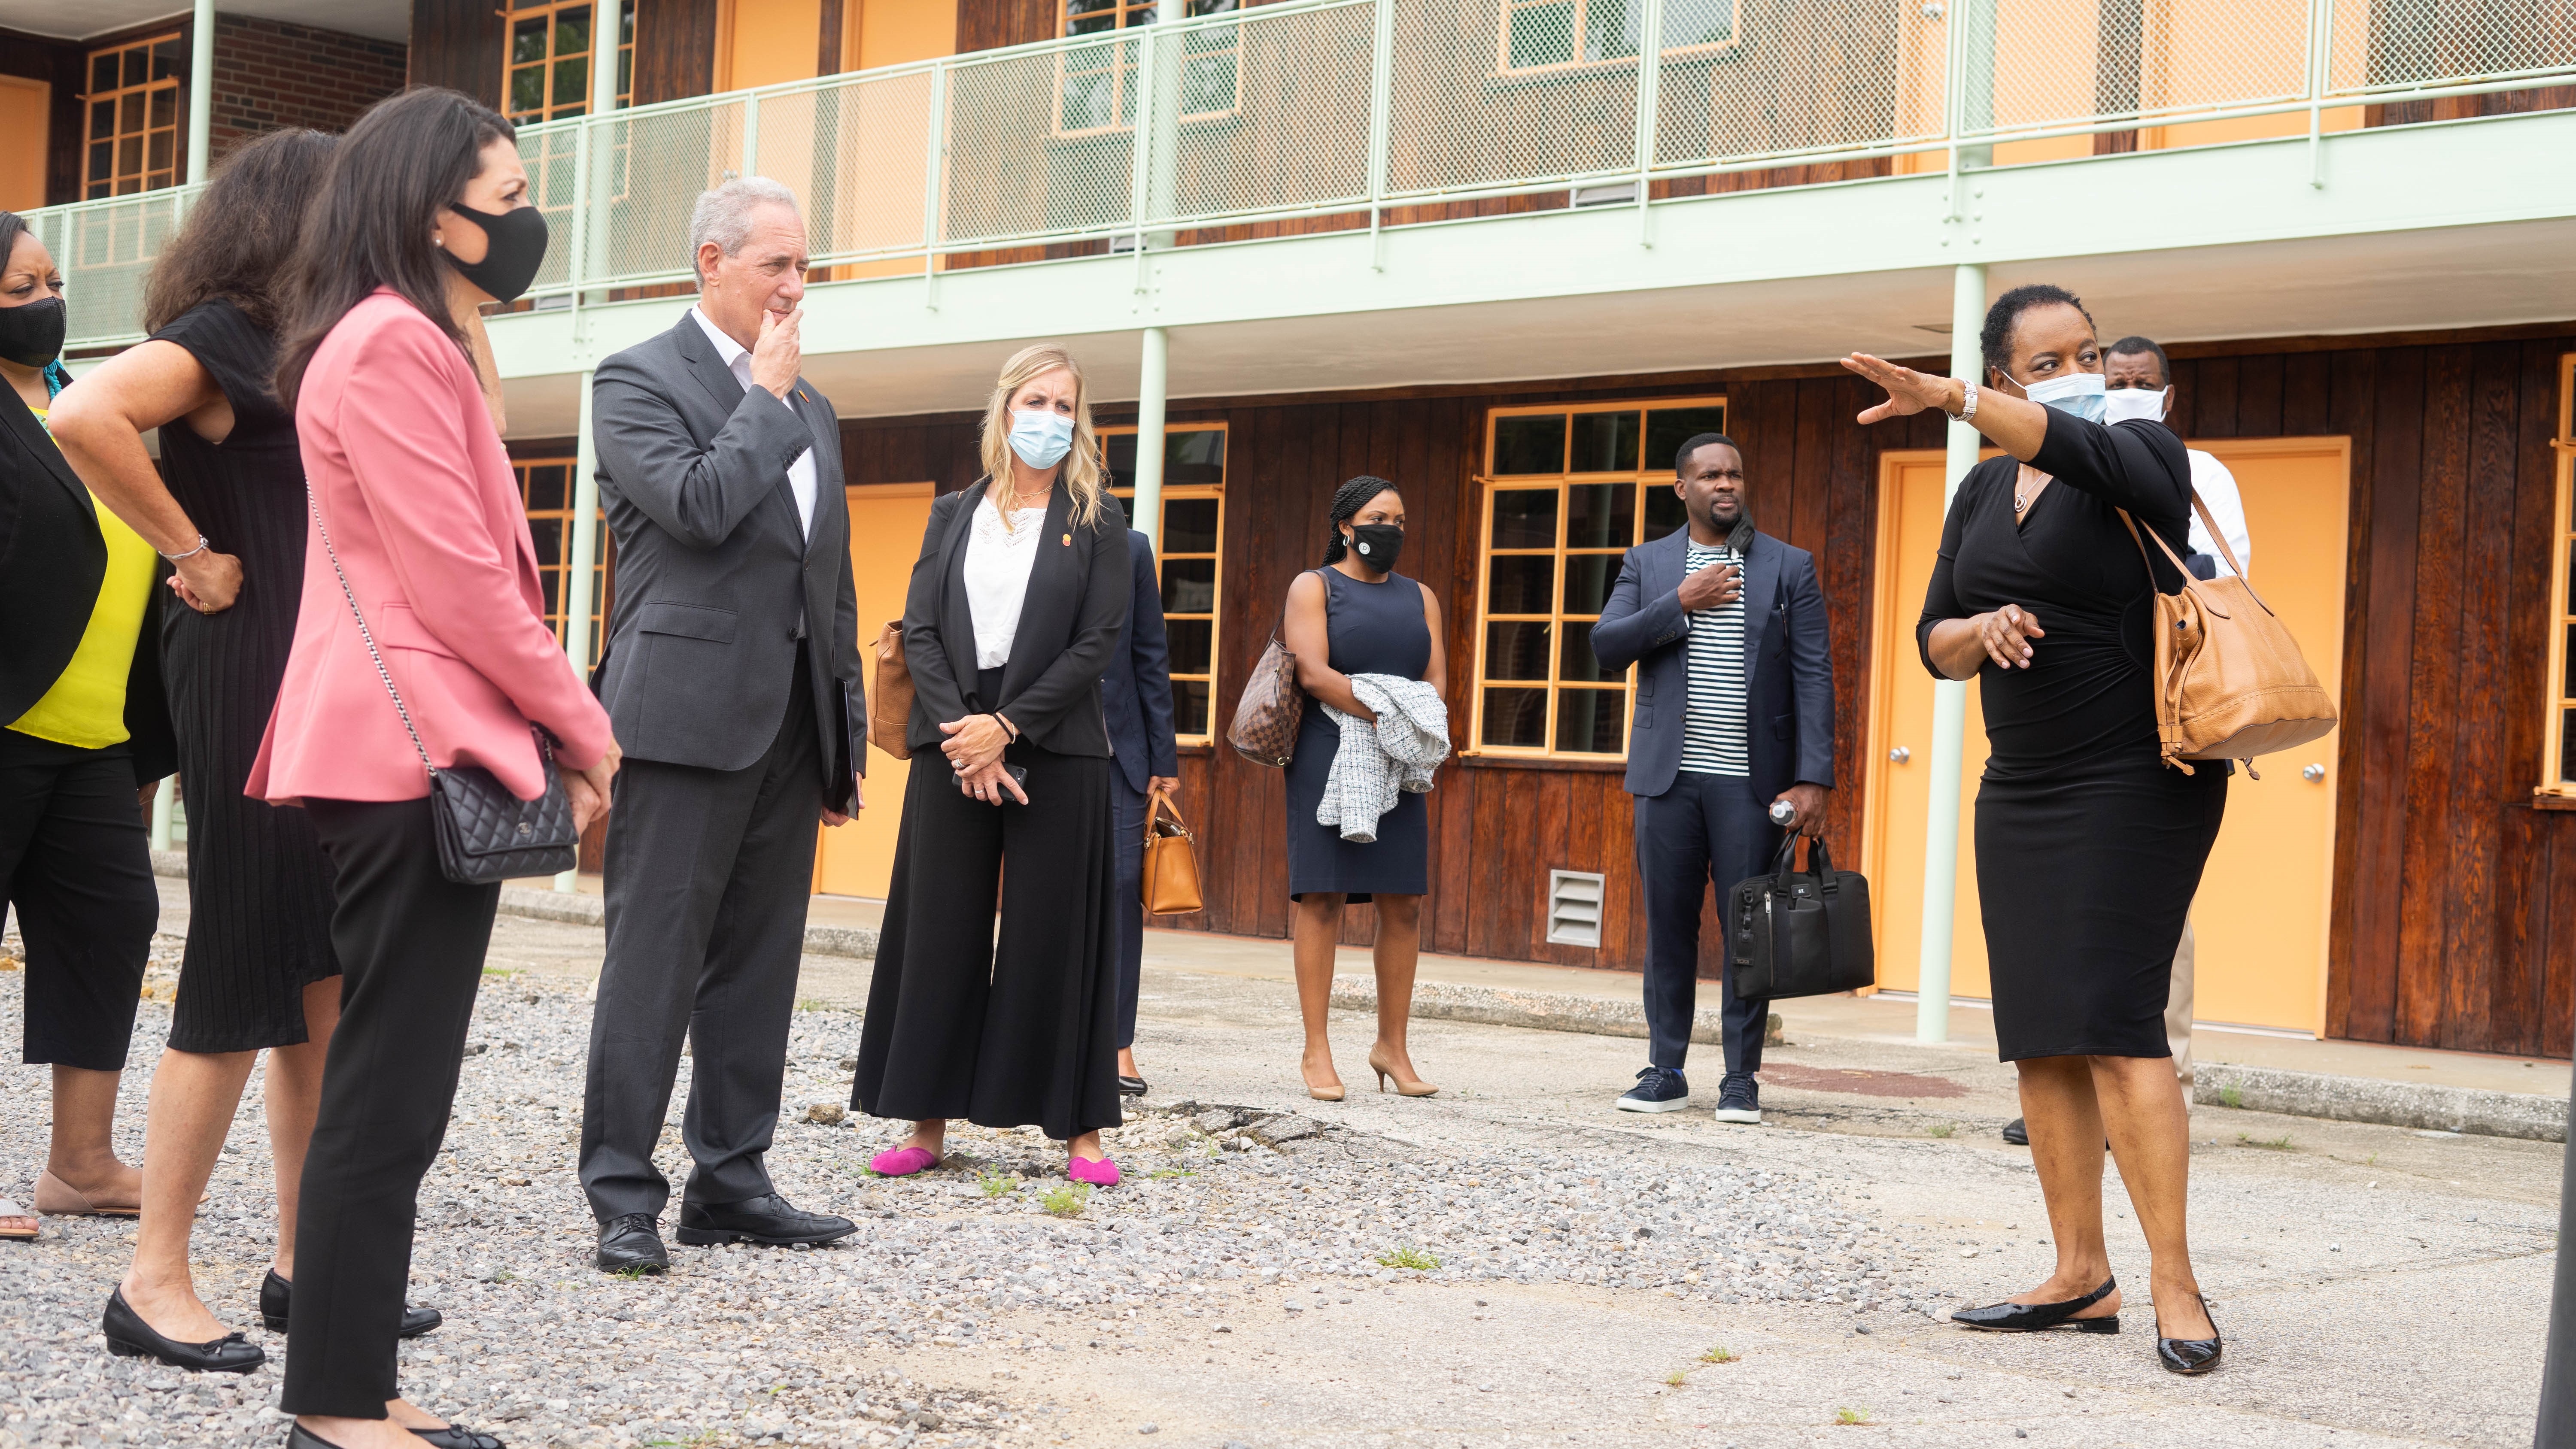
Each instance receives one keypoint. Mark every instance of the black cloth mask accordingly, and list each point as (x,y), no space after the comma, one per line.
(515,246)
(1377,544)
(32,335)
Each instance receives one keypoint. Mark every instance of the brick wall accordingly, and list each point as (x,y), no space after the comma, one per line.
(270,74)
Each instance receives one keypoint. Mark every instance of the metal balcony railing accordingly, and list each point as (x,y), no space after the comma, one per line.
(1370,111)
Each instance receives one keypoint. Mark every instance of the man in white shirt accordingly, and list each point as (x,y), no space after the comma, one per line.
(2138,383)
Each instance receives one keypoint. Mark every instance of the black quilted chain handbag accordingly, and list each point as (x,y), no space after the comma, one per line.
(485,833)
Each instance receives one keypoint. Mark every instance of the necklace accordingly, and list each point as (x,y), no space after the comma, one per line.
(2021,503)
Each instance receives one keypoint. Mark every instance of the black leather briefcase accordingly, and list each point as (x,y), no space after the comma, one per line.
(1798,934)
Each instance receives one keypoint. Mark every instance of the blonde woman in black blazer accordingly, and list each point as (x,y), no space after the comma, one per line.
(1017,601)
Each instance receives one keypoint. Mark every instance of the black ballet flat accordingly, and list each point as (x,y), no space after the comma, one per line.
(299,1437)
(457,1436)
(2191,1355)
(128,1336)
(1131,1086)
(277,1296)
(2036,1317)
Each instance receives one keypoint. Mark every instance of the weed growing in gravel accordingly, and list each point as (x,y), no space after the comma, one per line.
(1851,1416)
(1065,1199)
(2231,1097)
(2276,1144)
(1720,1354)
(1943,1130)
(996,1184)
(1414,1258)
(1676,1378)
(812,1003)
(634,1272)
(1173,1172)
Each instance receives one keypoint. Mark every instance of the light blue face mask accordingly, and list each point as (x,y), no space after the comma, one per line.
(1041,439)
(2079,393)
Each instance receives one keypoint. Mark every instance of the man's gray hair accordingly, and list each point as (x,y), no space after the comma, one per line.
(723,215)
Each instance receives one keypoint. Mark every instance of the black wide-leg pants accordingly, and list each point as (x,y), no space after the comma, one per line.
(1707,830)
(76,864)
(411,944)
(1007,1028)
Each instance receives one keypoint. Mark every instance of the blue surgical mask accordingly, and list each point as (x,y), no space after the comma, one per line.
(2079,393)
(2123,403)
(1041,439)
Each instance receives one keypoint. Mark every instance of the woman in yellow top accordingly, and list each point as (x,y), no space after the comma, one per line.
(84,736)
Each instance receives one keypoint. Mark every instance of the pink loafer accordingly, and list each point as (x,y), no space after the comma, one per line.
(1103,1173)
(903,1161)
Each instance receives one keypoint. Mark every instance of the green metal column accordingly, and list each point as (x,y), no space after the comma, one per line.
(1149,437)
(1949,705)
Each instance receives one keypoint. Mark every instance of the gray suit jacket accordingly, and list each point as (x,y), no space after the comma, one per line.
(714,573)
(1789,685)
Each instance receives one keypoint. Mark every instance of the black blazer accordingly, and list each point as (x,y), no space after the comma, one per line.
(1137,691)
(52,558)
(1080,587)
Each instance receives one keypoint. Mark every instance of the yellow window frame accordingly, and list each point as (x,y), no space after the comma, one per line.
(1503,66)
(556,575)
(1115,57)
(1643,478)
(1214,614)
(2558,765)
(551,106)
(132,126)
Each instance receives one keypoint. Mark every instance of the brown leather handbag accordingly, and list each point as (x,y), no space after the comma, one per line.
(1171,863)
(2230,681)
(890,695)
(1271,708)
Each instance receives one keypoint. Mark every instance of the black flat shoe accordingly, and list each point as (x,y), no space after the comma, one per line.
(2191,1355)
(632,1243)
(277,1296)
(767,1220)
(128,1336)
(1131,1086)
(299,1437)
(2033,1317)
(2017,1133)
(457,1436)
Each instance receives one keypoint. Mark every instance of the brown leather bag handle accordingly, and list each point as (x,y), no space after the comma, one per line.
(1158,804)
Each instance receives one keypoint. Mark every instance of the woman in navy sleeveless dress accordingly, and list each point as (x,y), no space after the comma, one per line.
(1348,618)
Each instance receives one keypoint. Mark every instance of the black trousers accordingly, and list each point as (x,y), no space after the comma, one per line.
(1127,819)
(709,873)
(76,864)
(1005,1027)
(1706,830)
(411,945)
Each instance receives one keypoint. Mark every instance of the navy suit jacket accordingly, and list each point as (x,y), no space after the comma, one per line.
(1136,693)
(1790,677)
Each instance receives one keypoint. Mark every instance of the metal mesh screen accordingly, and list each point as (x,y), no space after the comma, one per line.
(105,250)
(1039,143)
(853,152)
(648,169)
(2385,44)
(2052,63)
(1490,92)
(1786,77)
(552,155)
(1274,113)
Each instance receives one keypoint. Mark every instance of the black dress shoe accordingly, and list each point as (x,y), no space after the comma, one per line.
(299,1437)
(128,1336)
(457,1436)
(2017,1133)
(2032,1317)
(277,1295)
(766,1220)
(1131,1086)
(2191,1355)
(632,1243)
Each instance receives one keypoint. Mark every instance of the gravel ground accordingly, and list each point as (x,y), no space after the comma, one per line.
(1226,1212)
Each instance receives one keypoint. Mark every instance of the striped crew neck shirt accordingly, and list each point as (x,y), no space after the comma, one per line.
(1717,737)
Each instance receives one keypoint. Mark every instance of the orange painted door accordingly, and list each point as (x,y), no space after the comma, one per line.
(2260,919)
(886,522)
(26,110)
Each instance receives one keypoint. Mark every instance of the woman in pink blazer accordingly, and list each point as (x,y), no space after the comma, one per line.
(423,220)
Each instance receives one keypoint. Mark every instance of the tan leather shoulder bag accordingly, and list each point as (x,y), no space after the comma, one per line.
(890,694)
(1171,862)
(2230,681)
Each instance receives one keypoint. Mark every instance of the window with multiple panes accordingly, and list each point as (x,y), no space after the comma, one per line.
(133,130)
(1098,91)
(546,67)
(1189,555)
(2558,765)
(1568,490)
(546,489)
(1549,34)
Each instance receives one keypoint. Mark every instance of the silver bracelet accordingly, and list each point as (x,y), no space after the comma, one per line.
(192,553)
(1967,412)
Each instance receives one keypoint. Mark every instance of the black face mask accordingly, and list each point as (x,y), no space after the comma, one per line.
(1377,544)
(32,335)
(515,248)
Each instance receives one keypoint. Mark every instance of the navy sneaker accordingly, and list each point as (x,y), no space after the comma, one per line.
(1658,1089)
(1739,1099)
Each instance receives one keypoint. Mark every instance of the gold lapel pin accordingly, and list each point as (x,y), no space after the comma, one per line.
(1068,540)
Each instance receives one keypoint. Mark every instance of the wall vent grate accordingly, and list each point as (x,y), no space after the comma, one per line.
(1574,908)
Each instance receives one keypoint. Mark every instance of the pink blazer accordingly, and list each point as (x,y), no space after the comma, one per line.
(420,500)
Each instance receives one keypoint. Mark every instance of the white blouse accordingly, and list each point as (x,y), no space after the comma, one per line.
(997,576)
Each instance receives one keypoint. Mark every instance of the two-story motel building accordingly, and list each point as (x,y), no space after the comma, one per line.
(1474,246)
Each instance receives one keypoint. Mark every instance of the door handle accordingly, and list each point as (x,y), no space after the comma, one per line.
(1900,754)
(2313,773)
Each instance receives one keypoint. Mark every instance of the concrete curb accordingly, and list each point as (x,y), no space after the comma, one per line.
(1536,1010)
(2394,1104)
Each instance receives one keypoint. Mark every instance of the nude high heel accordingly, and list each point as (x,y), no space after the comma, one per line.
(1332,1093)
(1403,1087)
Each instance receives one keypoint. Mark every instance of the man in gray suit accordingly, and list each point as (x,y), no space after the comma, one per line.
(732,679)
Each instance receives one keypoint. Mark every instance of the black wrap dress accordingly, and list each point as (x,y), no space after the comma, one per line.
(2089,848)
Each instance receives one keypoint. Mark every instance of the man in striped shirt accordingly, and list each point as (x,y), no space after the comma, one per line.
(1735,712)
